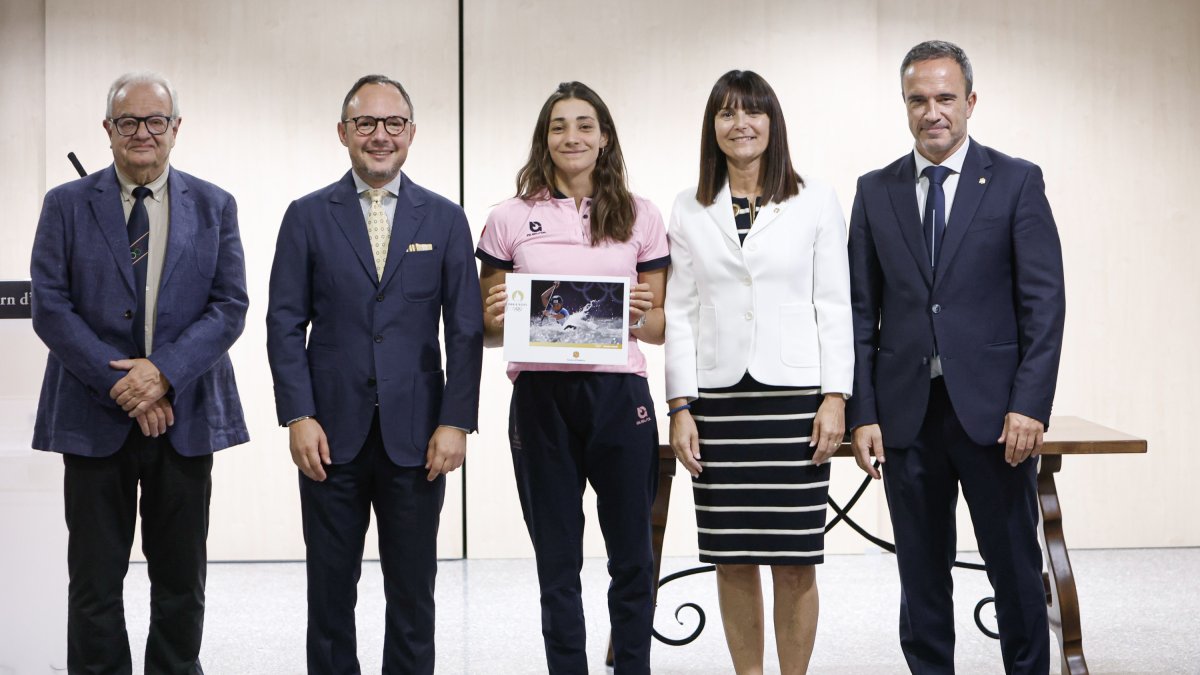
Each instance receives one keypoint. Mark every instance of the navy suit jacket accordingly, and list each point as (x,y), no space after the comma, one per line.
(994,311)
(84,302)
(375,341)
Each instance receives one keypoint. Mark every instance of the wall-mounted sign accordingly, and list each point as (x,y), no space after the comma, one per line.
(15,299)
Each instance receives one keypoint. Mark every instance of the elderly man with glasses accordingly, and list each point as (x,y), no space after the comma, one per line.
(365,271)
(139,291)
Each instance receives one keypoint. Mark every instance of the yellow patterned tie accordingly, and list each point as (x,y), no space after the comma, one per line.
(378,229)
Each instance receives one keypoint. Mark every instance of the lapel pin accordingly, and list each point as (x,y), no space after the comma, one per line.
(982,180)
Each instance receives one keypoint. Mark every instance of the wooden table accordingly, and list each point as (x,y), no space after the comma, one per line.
(1067,436)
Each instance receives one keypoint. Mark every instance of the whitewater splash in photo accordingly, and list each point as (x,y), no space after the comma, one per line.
(581,329)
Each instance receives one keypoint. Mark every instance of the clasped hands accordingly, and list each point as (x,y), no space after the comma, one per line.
(1022,438)
(142,393)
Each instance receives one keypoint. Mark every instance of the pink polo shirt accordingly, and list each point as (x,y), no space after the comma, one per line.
(551,236)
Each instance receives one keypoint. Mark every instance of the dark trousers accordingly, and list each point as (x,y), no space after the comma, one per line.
(336,513)
(922,490)
(565,429)
(101,499)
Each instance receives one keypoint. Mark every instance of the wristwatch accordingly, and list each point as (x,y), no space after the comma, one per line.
(640,322)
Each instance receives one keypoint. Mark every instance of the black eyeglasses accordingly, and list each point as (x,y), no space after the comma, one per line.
(365,124)
(128,125)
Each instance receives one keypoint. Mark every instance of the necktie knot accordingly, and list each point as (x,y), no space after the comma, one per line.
(141,192)
(936,174)
(376,195)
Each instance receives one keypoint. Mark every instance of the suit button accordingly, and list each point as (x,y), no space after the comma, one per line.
(128,314)
(379,298)
(924,360)
(937,309)
(378,338)
(370,382)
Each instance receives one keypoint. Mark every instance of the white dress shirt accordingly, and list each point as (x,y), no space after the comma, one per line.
(389,200)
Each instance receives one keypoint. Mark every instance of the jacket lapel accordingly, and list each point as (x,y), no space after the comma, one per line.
(903,192)
(347,213)
(410,212)
(721,212)
(181,233)
(972,183)
(767,214)
(110,218)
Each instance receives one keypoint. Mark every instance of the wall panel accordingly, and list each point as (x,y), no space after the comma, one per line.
(1101,95)
(260,86)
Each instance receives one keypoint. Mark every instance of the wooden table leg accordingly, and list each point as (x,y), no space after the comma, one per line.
(658,520)
(1062,599)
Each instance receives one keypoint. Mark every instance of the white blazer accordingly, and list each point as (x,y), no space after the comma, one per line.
(778,306)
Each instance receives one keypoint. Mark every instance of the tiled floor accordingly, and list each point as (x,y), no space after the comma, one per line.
(1141,614)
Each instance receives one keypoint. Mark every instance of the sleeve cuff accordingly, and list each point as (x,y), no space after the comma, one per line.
(655,264)
(493,261)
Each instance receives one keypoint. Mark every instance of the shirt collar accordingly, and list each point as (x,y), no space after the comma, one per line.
(953,162)
(393,186)
(156,186)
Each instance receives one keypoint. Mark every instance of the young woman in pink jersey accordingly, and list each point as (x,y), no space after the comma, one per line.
(575,424)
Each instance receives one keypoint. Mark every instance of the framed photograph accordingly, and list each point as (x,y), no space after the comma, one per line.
(566,319)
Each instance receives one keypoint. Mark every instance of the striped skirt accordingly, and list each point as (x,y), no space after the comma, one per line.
(759,499)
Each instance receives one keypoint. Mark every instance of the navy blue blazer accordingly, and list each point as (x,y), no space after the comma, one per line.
(372,341)
(84,302)
(995,309)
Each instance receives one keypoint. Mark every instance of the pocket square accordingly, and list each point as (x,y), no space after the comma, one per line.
(413,248)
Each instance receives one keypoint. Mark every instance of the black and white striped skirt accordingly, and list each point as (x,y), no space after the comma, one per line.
(759,499)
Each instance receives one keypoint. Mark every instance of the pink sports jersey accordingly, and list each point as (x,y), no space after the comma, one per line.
(551,236)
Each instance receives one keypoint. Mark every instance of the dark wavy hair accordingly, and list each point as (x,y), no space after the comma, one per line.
(612,211)
(747,90)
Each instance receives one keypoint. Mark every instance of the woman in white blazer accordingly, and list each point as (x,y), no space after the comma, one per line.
(759,363)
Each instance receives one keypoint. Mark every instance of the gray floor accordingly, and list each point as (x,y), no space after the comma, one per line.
(1140,615)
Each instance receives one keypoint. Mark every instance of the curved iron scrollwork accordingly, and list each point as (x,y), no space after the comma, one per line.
(701,619)
(840,514)
(979,618)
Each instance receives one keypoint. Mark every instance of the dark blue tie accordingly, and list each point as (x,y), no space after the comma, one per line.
(139,247)
(934,222)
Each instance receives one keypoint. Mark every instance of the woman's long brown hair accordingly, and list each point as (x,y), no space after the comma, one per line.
(612,211)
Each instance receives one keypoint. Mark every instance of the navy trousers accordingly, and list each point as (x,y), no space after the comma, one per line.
(921,483)
(101,501)
(336,513)
(571,428)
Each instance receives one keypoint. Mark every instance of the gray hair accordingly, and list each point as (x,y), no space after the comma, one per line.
(377,79)
(142,77)
(940,49)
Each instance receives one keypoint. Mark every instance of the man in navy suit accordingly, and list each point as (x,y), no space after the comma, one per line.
(958,303)
(367,268)
(139,291)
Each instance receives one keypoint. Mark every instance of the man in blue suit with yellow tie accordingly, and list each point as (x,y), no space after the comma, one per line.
(365,270)
(958,304)
(139,291)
